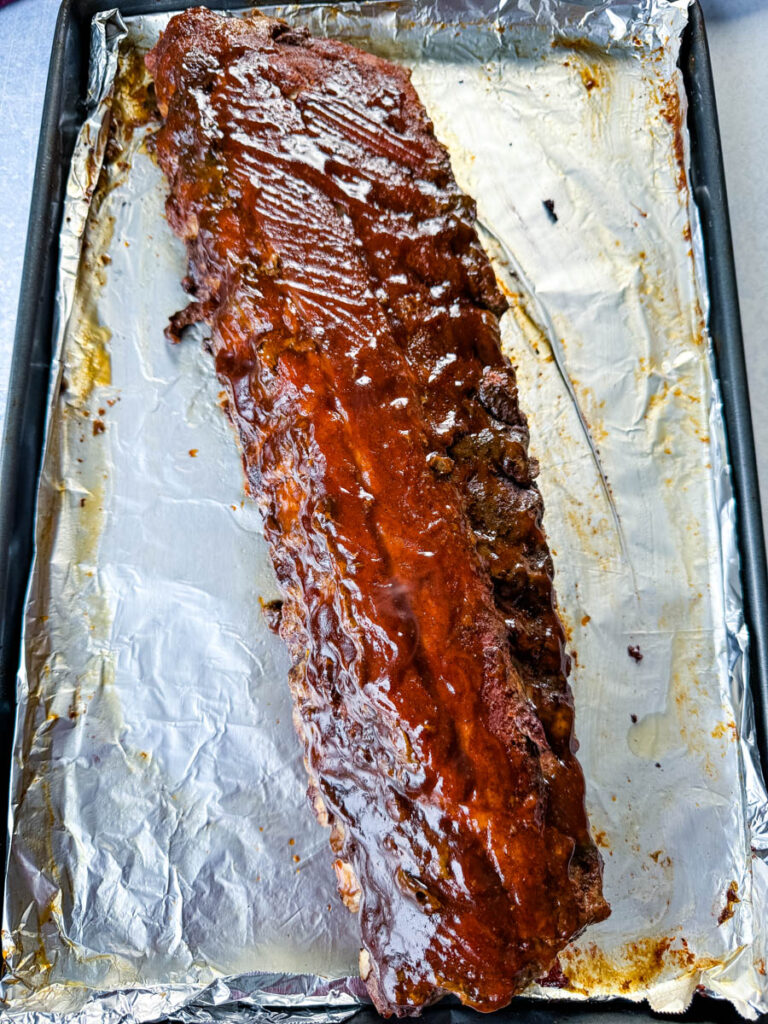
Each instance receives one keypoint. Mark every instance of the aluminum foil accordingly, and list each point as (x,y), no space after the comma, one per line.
(163,859)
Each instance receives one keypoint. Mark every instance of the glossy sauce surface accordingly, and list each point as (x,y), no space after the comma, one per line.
(354,324)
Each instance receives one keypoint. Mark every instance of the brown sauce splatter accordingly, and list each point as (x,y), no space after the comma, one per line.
(731,899)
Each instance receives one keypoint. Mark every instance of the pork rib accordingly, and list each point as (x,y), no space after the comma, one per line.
(354,322)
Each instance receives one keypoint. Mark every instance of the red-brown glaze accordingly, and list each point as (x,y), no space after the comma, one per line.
(354,322)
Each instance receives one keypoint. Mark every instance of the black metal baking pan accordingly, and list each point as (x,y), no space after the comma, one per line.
(30,376)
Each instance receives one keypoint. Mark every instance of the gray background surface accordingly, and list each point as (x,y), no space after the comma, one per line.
(738,35)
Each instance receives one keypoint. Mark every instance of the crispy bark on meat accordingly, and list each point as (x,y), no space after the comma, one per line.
(354,322)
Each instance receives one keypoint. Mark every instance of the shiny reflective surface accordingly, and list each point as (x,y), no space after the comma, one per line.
(355,326)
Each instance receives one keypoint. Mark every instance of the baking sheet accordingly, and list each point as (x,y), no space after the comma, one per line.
(158,805)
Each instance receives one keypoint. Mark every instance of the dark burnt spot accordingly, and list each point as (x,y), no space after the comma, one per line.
(273,613)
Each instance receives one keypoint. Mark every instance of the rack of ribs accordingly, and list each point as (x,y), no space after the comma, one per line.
(355,325)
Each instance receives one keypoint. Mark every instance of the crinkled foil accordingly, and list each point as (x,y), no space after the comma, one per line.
(163,859)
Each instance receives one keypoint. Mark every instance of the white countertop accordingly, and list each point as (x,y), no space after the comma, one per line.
(738,32)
